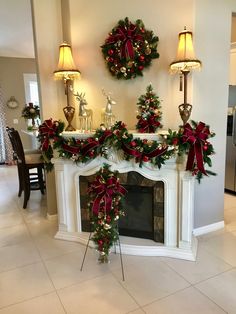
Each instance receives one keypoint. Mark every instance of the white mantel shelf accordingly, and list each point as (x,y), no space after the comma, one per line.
(83,135)
(179,241)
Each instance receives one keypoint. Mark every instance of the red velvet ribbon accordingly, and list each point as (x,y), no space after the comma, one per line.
(106,134)
(89,146)
(157,152)
(149,125)
(71,149)
(47,130)
(127,35)
(139,155)
(196,139)
(131,151)
(105,192)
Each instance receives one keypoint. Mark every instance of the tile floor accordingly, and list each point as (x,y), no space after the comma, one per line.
(41,275)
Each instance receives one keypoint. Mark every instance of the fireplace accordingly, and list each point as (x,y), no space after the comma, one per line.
(175,214)
(143,204)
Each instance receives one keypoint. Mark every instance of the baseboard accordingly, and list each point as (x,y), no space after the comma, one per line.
(51,217)
(208,228)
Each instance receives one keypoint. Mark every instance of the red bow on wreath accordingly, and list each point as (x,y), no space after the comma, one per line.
(105,191)
(47,130)
(196,138)
(127,35)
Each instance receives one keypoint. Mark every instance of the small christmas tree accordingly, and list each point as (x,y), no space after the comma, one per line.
(149,115)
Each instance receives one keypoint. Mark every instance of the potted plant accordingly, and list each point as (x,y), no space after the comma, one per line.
(32,112)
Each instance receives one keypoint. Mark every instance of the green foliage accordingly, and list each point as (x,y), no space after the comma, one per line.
(30,111)
(139,150)
(129,49)
(105,218)
(186,140)
(149,112)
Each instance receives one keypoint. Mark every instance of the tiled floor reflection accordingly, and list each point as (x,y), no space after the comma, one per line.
(41,275)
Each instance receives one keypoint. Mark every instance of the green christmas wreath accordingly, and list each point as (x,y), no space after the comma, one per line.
(129,49)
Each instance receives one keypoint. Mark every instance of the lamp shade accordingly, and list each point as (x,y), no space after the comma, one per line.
(66,68)
(185,59)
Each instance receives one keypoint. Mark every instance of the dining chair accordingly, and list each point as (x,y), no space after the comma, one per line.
(28,180)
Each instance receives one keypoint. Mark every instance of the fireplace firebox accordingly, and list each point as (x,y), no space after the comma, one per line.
(143,206)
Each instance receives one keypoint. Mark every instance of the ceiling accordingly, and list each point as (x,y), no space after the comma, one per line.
(16,34)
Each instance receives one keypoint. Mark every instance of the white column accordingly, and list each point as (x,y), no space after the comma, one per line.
(186,208)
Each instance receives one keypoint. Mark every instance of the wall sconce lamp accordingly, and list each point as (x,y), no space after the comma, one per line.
(67,71)
(184,63)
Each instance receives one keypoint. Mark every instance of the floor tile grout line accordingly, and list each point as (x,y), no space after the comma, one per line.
(205,295)
(45,268)
(195,283)
(82,282)
(21,266)
(140,308)
(167,296)
(217,275)
(158,298)
(26,300)
(176,272)
(219,257)
(126,290)
(5,227)
(64,309)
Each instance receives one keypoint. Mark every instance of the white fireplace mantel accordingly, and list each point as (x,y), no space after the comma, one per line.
(179,241)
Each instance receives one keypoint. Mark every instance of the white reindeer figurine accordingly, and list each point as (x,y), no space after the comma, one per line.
(85,115)
(108,117)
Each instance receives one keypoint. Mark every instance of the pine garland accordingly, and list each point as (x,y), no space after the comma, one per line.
(191,139)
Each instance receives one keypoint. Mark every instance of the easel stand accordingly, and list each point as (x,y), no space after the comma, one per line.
(121,260)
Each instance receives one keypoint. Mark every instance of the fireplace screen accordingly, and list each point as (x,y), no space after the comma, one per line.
(143,205)
(138,219)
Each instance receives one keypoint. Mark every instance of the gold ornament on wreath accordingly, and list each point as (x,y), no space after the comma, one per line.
(129,48)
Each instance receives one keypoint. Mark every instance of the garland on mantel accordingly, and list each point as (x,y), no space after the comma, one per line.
(191,139)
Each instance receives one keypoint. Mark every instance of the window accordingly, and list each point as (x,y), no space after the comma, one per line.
(31,90)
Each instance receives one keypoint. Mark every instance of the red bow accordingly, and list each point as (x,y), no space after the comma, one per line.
(148,126)
(105,191)
(127,35)
(47,130)
(196,139)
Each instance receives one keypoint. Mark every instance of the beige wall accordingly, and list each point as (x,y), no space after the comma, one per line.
(47,28)
(208,89)
(210,98)
(12,83)
(90,25)
(233,31)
